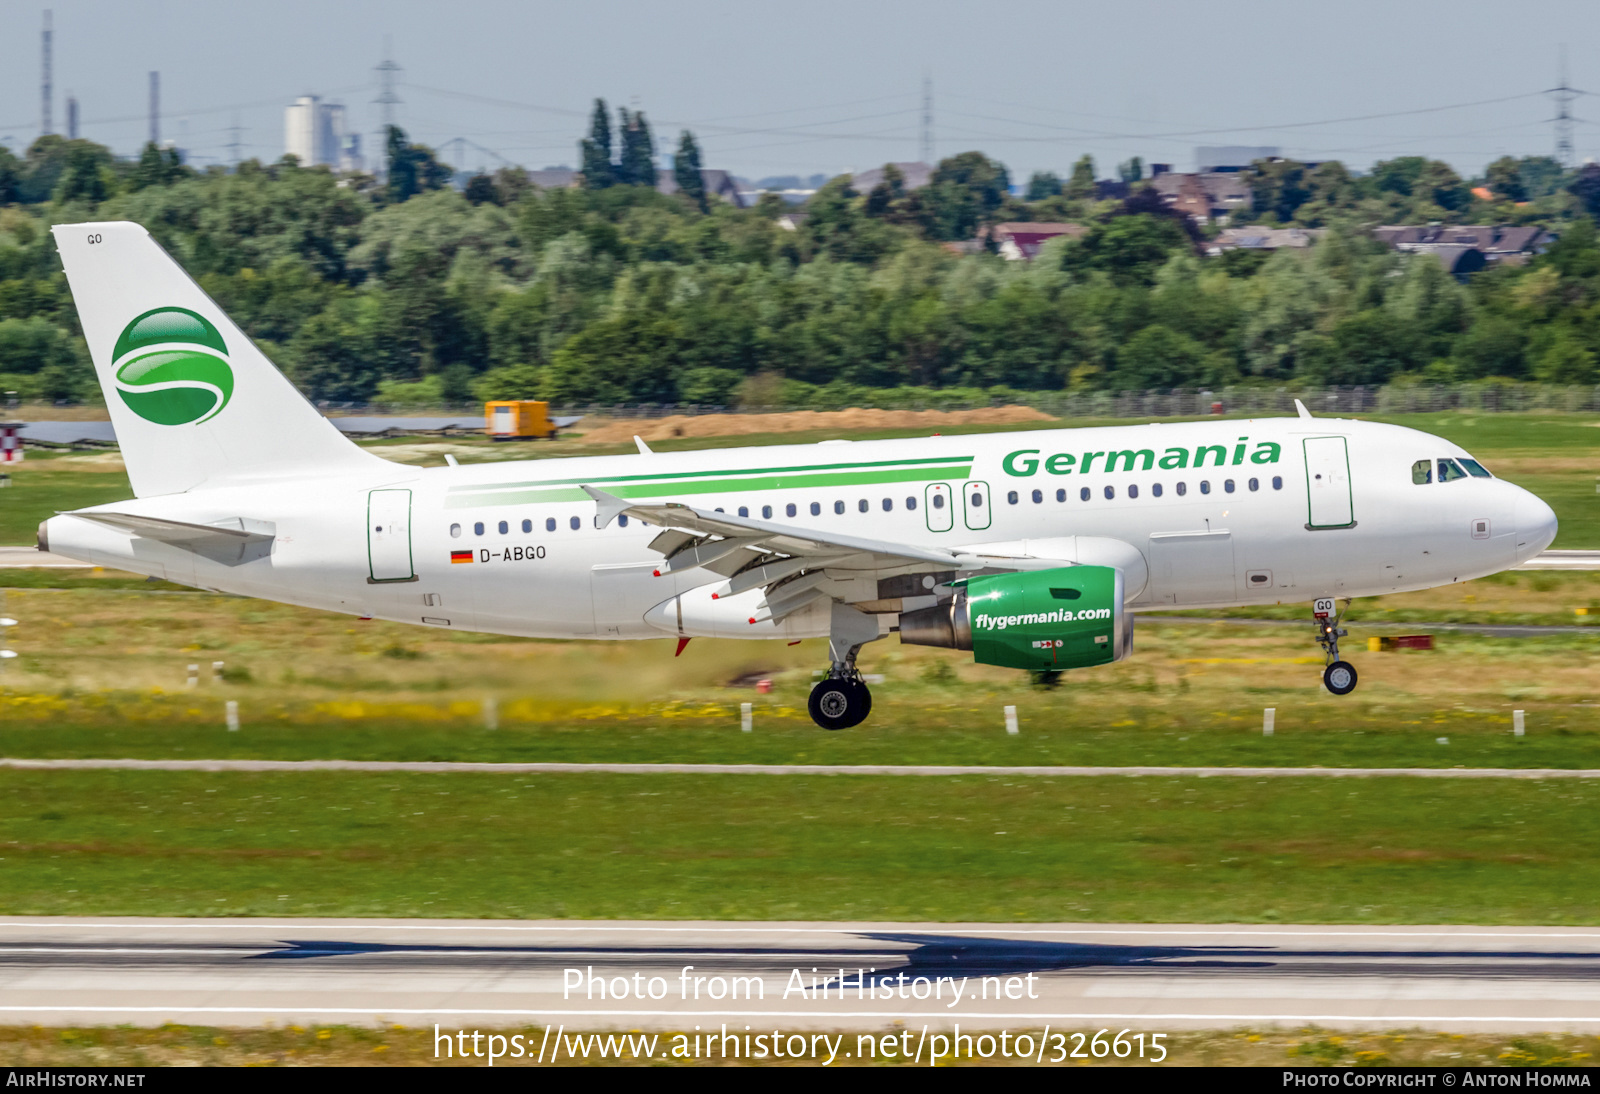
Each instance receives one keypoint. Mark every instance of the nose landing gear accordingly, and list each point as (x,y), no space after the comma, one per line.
(1340,676)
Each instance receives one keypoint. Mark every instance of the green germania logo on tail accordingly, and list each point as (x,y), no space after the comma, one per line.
(172,367)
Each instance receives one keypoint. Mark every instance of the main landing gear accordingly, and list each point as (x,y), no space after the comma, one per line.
(842,699)
(840,702)
(1340,676)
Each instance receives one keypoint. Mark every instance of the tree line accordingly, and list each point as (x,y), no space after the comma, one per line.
(407,290)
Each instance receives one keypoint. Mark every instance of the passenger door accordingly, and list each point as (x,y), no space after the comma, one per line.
(1329,501)
(389,536)
(975,505)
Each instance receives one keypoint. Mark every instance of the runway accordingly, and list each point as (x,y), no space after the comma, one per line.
(679,975)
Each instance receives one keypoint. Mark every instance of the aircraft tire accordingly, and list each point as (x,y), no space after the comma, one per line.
(1340,678)
(839,704)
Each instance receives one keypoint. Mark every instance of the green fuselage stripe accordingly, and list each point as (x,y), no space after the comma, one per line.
(779,479)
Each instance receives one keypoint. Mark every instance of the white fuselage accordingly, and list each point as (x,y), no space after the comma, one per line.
(1253,525)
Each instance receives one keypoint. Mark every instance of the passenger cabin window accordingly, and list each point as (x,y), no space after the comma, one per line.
(816,508)
(1277,482)
(744,510)
(1083,495)
(1475,469)
(455,531)
(1155,489)
(1183,488)
(576,523)
(477,529)
(911,503)
(1450,471)
(504,527)
(549,524)
(1255,484)
(862,506)
(1133,490)
(938,501)
(1011,497)
(1205,486)
(527,525)
(1422,472)
(838,507)
(888,505)
(790,510)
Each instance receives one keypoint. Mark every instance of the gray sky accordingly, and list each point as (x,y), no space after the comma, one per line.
(829,85)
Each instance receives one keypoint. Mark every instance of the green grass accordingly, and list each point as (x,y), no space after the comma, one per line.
(1523,432)
(1575,498)
(1149,733)
(40,489)
(762,847)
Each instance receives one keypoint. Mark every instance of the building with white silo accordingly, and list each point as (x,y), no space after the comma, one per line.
(314,132)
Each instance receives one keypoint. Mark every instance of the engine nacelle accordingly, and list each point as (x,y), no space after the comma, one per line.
(1066,618)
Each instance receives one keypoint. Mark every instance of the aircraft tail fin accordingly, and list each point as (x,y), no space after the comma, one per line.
(191,397)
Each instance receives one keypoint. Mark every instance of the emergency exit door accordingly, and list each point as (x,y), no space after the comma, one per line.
(975,505)
(389,536)
(1329,502)
(938,507)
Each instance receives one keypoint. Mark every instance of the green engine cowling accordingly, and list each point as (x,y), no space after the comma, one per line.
(1067,618)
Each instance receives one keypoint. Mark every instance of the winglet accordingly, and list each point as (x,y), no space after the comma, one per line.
(1300,409)
(609,505)
(644,449)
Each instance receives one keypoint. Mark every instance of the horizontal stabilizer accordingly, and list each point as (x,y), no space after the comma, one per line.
(231,542)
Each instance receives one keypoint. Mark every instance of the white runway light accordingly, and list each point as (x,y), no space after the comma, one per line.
(1517,723)
(1011,721)
(1268,717)
(231,713)
(746,718)
(491,713)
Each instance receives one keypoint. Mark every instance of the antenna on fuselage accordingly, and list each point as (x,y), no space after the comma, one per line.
(1300,409)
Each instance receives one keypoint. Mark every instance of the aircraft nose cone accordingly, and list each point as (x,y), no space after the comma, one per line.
(1536,525)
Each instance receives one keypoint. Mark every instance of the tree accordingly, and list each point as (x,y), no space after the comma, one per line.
(86,175)
(1505,179)
(412,167)
(594,152)
(10,177)
(686,171)
(1586,188)
(1043,184)
(1132,170)
(1081,185)
(964,193)
(637,163)
(156,167)
(480,189)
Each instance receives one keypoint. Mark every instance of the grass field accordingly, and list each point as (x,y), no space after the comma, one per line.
(347,1046)
(948,849)
(102,673)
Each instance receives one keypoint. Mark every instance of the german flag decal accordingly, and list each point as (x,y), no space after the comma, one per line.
(460,556)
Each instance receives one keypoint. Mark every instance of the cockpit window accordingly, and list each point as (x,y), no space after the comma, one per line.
(1450,471)
(1475,469)
(1422,472)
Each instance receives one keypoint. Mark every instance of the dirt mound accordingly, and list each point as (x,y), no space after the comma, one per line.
(802,421)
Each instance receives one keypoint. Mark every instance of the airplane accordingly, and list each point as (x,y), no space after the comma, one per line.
(1033,550)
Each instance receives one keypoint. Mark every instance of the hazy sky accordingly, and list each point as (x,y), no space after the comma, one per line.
(829,85)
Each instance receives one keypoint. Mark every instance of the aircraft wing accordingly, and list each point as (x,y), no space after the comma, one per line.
(230,542)
(796,565)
